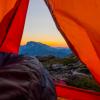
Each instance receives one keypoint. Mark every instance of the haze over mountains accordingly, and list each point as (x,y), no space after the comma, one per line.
(39,49)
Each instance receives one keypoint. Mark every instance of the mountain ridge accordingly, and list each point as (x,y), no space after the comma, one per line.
(40,49)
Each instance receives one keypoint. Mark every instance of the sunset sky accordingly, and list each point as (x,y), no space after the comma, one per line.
(40,27)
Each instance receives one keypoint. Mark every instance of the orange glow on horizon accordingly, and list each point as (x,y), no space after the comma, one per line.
(49,43)
(56,44)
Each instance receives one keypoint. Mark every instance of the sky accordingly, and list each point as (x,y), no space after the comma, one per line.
(40,27)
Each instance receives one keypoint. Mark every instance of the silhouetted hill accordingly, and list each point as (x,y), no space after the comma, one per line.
(39,49)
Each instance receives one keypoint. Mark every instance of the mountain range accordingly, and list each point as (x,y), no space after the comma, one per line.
(39,49)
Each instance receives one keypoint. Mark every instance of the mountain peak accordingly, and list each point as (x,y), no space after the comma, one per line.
(38,49)
(32,43)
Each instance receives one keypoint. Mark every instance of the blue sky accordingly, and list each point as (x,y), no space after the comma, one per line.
(40,27)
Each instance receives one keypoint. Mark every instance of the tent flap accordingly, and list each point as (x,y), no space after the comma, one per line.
(12,18)
(79,23)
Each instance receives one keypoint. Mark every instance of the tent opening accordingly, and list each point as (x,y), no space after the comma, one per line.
(78,24)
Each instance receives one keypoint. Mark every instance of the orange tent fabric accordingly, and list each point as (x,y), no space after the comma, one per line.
(5,7)
(12,18)
(71,93)
(79,23)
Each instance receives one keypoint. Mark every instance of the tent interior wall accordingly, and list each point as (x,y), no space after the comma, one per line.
(78,21)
